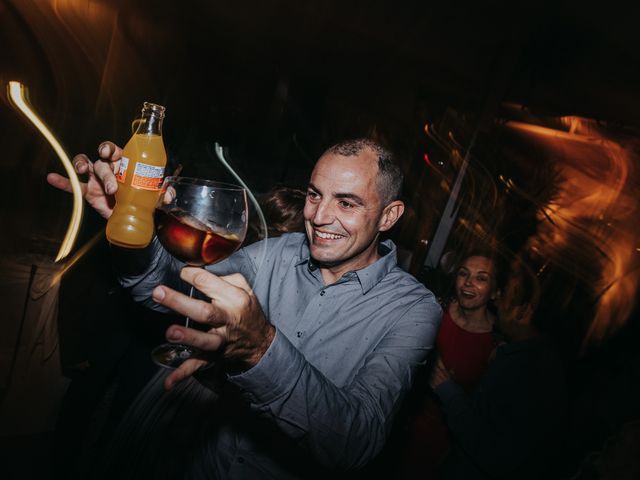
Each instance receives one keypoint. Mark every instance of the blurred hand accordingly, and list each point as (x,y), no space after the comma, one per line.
(101,184)
(239,328)
(439,374)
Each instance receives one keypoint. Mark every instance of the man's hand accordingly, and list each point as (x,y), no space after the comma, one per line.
(239,327)
(101,182)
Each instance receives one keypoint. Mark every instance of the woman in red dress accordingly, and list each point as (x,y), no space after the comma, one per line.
(464,345)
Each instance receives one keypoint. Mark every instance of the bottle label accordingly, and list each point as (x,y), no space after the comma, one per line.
(147,177)
(121,175)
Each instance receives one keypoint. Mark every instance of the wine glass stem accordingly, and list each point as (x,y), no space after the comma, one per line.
(187,319)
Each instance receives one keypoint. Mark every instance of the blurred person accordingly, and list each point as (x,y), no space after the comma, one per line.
(317,348)
(513,423)
(466,338)
(465,343)
(282,207)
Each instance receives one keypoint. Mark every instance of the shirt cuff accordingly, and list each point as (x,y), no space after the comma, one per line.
(133,264)
(274,375)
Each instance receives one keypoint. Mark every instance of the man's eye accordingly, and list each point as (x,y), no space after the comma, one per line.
(313,195)
(345,204)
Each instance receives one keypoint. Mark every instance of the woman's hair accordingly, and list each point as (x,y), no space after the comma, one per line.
(282,207)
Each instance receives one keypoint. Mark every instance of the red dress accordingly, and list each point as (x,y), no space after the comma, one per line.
(467,355)
(464,353)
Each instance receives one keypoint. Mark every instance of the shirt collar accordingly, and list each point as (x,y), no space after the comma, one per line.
(369,276)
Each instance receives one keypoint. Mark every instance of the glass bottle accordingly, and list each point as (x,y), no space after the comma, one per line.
(139,180)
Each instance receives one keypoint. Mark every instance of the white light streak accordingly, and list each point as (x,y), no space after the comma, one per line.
(263,253)
(16,94)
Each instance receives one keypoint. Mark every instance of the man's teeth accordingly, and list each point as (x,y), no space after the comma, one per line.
(330,236)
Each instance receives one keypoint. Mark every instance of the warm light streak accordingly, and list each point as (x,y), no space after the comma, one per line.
(551,132)
(16,94)
(596,204)
(571,122)
(77,257)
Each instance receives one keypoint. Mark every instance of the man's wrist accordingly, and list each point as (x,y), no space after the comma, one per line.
(239,366)
(131,262)
(267,340)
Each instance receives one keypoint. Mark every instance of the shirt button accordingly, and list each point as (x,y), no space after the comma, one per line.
(240,459)
(322,293)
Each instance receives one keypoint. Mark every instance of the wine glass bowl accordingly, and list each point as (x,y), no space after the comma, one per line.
(199,222)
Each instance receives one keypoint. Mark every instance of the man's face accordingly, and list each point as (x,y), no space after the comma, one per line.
(343,211)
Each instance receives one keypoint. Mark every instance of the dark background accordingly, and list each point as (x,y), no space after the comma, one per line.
(277,82)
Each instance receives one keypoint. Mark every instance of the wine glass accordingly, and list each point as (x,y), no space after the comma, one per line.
(199,222)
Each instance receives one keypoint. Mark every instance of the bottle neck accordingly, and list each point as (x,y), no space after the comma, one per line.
(150,124)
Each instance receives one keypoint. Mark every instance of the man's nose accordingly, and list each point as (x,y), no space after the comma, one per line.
(323,214)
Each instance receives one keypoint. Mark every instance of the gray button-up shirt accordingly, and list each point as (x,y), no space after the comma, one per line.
(341,361)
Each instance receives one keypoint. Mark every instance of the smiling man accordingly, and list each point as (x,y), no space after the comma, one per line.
(319,344)
(352,197)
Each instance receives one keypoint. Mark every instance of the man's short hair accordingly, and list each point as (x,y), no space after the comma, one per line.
(389,174)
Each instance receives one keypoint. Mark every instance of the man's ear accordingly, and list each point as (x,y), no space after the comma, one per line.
(390,215)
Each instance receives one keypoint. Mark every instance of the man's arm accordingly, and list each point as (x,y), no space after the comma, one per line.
(342,427)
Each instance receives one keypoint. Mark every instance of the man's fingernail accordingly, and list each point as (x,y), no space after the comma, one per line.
(158,294)
(174,334)
(104,150)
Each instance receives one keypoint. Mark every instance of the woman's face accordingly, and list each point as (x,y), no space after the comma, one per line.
(475,283)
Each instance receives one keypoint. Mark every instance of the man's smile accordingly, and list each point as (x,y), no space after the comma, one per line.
(326,235)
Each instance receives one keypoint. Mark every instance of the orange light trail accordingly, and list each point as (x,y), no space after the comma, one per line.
(597,203)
